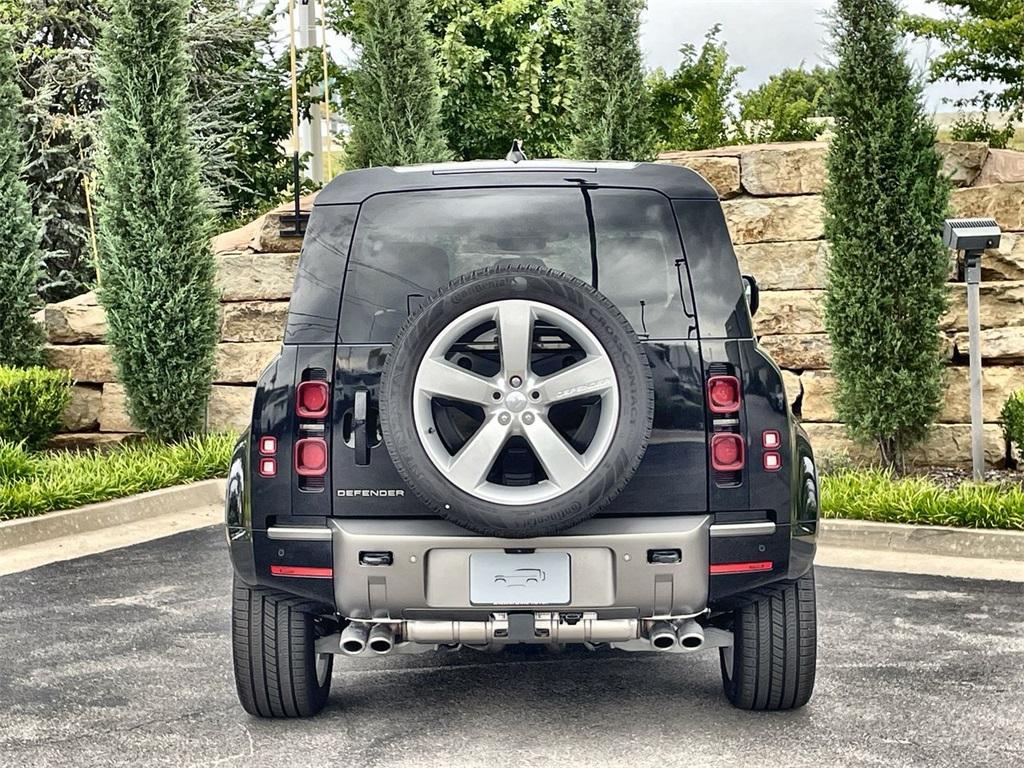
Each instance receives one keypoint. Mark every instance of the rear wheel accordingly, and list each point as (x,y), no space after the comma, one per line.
(771,663)
(278,672)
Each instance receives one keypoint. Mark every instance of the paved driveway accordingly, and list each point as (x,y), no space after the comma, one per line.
(122,659)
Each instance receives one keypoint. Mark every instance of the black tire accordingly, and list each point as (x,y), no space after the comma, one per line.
(272,643)
(601,318)
(774,650)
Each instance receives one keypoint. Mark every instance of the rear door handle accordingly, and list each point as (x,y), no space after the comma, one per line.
(359,436)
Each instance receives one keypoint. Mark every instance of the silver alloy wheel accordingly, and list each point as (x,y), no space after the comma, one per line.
(515,402)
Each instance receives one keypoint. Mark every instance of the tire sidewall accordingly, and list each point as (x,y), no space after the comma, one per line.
(632,375)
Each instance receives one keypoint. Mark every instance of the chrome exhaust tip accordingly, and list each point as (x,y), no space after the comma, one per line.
(691,635)
(354,638)
(382,638)
(662,635)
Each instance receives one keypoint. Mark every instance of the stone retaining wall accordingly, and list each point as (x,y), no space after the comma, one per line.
(772,202)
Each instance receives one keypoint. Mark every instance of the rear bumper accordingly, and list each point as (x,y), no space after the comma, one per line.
(427,571)
(609,569)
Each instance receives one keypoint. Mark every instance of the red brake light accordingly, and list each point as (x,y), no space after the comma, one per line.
(311,457)
(726,452)
(312,399)
(302,571)
(717,569)
(723,394)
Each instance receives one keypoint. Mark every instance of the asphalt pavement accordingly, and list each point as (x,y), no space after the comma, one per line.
(122,658)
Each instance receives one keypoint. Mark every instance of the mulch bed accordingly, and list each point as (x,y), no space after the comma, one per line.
(952,477)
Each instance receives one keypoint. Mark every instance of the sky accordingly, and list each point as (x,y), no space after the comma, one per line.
(765,36)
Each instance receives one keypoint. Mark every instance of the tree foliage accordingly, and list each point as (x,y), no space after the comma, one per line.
(20,337)
(239,97)
(156,266)
(692,107)
(885,204)
(55,44)
(395,105)
(784,107)
(983,41)
(505,70)
(611,105)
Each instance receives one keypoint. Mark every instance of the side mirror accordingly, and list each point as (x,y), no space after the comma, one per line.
(752,292)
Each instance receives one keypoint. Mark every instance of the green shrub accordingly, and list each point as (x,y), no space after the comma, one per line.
(885,205)
(880,496)
(1012,417)
(968,128)
(15,463)
(65,479)
(395,107)
(156,266)
(32,401)
(611,104)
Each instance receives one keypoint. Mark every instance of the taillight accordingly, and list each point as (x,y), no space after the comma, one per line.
(311,457)
(268,445)
(771,459)
(312,399)
(267,466)
(723,394)
(726,452)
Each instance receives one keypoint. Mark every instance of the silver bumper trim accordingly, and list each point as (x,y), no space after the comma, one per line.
(765,528)
(609,567)
(299,533)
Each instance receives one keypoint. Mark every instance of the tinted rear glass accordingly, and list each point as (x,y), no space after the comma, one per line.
(409,244)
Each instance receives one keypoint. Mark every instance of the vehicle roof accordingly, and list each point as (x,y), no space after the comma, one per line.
(673,181)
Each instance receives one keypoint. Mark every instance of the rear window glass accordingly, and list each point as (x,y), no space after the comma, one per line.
(409,244)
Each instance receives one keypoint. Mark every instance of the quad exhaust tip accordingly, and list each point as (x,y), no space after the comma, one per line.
(354,638)
(382,638)
(663,635)
(691,635)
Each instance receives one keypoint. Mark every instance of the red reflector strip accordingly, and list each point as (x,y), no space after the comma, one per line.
(718,569)
(302,571)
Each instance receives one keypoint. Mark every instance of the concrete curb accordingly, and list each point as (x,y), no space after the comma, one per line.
(32,530)
(923,539)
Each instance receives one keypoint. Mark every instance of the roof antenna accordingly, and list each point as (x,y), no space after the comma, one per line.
(516,153)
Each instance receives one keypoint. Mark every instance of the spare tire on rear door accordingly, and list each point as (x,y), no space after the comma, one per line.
(517,401)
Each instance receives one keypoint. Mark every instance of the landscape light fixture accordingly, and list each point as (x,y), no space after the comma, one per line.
(973,237)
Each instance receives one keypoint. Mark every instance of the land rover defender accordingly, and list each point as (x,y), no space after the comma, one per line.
(521,402)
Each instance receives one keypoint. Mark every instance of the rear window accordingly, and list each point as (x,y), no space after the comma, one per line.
(409,244)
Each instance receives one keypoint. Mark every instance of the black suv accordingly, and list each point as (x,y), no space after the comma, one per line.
(521,403)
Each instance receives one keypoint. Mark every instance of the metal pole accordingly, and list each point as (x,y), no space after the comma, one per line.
(972,265)
(310,130)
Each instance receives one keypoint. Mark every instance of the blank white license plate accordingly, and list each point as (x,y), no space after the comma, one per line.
(535,578)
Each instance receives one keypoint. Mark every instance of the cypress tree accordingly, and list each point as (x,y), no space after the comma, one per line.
(156,268)
(395,109)
(885,204)
(611,104)
(20,336)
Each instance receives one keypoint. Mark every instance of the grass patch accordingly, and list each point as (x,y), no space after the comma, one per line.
(66,479)
(877,495)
